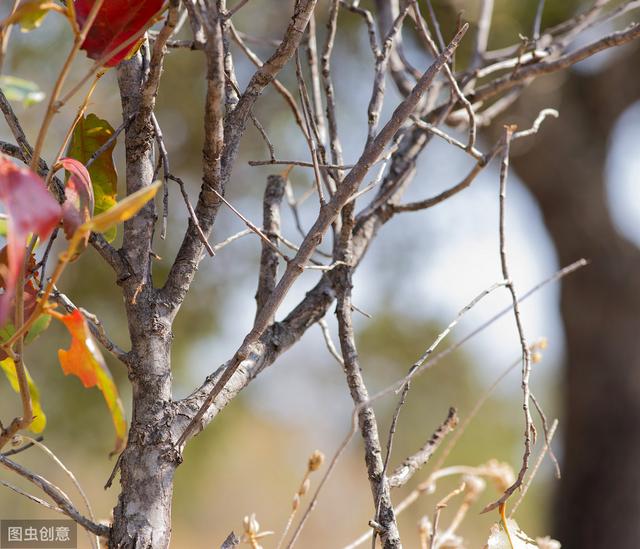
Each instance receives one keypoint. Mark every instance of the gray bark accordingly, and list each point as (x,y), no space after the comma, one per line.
(142,517)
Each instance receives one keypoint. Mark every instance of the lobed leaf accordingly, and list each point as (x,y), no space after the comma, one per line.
(116,22)
(39,418)
(84,360)
(91,133)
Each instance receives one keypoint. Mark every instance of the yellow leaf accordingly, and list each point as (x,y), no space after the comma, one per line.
(123,210)
(30,14)
(39,419)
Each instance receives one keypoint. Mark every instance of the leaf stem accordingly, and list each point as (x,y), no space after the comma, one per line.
(53,106)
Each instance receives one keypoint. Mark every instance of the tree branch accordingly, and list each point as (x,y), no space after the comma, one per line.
(60,499)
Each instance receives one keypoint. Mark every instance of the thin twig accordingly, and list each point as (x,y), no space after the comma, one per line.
(325,218)
(537,22)
(534,469)
(412,464)
(253,227)
(442,504)
(326,334)
(231,239)
(33,498)
(94,542)
(193,216)
(526,353)
(236,8)
(332,464)
(482,35)
(302,163)
(389,448)
(58,496)
(546,431)
(164,160)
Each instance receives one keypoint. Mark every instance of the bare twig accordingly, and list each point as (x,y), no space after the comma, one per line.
(455,88)
(482,35)
(325,218)
(442,504)
(537,22)
(326,334)
(59,497)
(33,498)
(412,464)
(525,73)
(254,228)
(546,430)
(192,215)
(536,466)
(236,8)
(273,194)
(332,464)
(94,542)
(526,353)
(302,163)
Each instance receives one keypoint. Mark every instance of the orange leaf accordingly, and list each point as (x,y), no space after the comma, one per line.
(84,360)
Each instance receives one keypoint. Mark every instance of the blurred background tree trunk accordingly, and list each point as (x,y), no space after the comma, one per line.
(598,499)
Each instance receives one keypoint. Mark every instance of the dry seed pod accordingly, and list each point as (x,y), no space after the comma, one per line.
(424,526)
(501,474)
(316,460)
(548,543)
(251,525)
(305,487)
(474,486)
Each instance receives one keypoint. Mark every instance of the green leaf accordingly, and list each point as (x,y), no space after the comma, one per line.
(88,136)
(39,419)
(40,325)
(18,89)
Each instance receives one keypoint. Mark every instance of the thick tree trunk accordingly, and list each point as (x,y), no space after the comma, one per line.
(142,517)
(598,501)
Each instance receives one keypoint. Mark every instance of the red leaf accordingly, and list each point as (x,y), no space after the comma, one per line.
(116,22)
(31,209)
(84,360)
(78,206)
(30,298)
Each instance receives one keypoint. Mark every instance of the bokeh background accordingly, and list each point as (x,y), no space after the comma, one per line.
(422,269)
